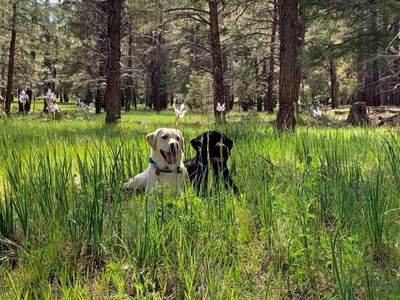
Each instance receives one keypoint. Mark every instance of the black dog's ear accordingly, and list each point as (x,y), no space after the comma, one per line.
(197,142)
(228,142)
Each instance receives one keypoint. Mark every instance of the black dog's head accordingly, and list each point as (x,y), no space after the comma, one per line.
(213,147)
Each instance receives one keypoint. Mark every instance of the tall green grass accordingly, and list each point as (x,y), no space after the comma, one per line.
(317,215)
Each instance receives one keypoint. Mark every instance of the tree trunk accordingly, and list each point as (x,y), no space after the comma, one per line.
(122,96)
(101,48)
(164,94)
(258,98)
(359,68)
(395,72)
(259,103)
(66,98)
(113,106)
(3,75)
(227,87)
(301,33)
(334,83)
(134,99)
(218,77)
(98,100)
(269,100)
(148,99)
(11,57)
(129,88)
(89,96)
(288,11)
(156,88)
(48,82)
(28,103)
(128,98)
(156,80)
(371,89)
(20,105)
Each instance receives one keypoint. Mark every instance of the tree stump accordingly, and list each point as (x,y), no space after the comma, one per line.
(57,115)
(358,114)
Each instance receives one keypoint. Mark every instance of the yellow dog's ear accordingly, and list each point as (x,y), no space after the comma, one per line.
(152,138)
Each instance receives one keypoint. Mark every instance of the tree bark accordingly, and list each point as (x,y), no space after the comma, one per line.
(371,88)
(269,100)
(129,88)
(98,100)
(394,94)
(301,33)
(113,73)
(101,48)
(134,99)
(227,87)
(218,77)
(89,96)
(155,76)
(49,71)
(3,72)
(259,99)
(11,57)
(359,68)
(122,97)
(288,12)
(157,91)
(334,83)
(28,103)
(66,98)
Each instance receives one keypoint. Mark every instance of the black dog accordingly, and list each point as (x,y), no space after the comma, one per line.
(212,151)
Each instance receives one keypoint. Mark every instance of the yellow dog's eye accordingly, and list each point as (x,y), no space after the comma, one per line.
(164,137)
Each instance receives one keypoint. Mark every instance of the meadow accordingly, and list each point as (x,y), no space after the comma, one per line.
(317,217)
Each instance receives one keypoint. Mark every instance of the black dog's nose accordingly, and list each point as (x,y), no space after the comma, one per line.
(174,147)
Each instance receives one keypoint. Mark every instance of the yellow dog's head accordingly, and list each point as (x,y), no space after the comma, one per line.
(167,147)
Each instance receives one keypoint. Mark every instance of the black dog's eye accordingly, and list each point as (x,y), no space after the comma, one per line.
(178,138)
(164,137)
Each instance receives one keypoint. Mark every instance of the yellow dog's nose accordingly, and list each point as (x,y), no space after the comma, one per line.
(174,146)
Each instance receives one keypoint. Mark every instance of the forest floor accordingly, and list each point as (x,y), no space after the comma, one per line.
(317,216)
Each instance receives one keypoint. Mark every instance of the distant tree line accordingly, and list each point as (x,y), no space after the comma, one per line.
(254,54)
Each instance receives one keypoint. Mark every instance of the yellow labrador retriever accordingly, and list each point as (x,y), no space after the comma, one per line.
(166,162)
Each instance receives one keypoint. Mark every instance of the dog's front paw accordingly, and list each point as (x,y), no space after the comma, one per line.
(128,185)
